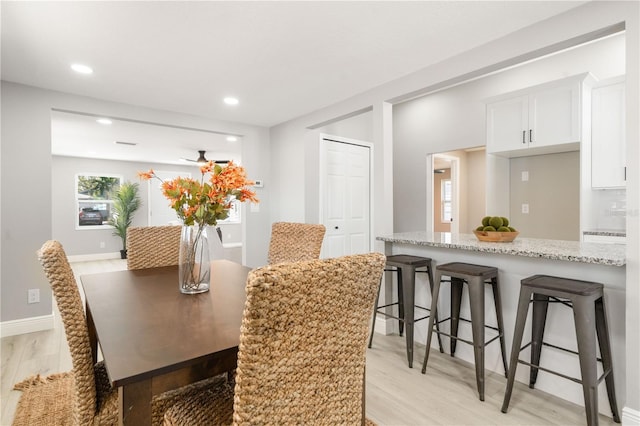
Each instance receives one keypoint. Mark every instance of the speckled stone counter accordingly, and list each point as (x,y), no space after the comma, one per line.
(572,251)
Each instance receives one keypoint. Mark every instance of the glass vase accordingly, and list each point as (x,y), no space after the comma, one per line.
(195,265)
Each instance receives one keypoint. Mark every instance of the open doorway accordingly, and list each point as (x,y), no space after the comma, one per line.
(85,144)
(455,190)
(443,198)
(443,193)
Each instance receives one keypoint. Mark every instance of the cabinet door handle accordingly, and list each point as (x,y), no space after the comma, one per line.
(625,173)
(530,135)
(524,132)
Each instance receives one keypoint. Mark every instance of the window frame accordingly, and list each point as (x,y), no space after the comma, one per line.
(235,213)
(83,201)
(446,201)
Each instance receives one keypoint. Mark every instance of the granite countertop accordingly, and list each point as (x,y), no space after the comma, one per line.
(572,251)
(606,232)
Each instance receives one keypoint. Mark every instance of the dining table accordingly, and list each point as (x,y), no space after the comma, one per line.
(154,339)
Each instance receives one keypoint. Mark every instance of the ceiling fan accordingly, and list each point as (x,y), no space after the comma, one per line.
(202,159)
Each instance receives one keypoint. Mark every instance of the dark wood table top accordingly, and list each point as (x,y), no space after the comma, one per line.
(147,328)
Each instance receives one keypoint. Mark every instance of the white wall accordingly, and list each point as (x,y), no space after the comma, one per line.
(86,241)
(26,181)
(287,138)
(476,188)
(455,118)
(552,193)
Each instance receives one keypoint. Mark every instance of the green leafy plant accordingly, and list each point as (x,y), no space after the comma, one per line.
(125,203)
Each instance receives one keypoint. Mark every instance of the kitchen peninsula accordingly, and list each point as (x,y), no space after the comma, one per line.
(604,263)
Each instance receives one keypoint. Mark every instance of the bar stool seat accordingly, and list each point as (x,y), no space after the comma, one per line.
(586,298)
(475,276)
(406,267)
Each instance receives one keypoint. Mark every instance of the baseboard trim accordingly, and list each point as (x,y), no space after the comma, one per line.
(26,325)
(383,326)
(94,256)
(630,417)
(231,245)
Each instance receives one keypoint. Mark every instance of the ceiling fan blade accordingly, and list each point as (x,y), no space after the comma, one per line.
(202,159)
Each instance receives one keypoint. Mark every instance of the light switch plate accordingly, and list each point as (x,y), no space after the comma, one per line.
(525,176)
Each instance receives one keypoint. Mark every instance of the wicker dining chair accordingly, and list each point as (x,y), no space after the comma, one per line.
(153,246)
(293,242)
(302,349)
(95,402)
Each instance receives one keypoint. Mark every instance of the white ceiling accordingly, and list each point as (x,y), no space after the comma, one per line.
(79,135)
(281,59)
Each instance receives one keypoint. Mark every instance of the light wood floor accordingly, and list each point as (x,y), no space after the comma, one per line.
(396,394)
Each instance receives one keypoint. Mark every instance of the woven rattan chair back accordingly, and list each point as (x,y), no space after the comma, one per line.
(65,290)
(303,341)
(294,242)
(153,246)
(302,348)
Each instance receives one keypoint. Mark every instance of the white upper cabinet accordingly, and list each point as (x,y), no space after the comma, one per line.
(608,159)
(507,122)
(554,115)
(538,120)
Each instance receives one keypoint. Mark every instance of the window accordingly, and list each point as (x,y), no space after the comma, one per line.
(94,199)
(234,212)
(445,200)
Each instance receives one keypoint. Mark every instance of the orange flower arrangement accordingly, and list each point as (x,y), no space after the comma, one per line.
(205,202)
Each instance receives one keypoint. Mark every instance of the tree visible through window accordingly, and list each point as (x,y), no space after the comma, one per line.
(446,197)
(94,198)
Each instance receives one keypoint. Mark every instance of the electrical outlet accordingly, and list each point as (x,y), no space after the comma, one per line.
(102,244)
(33,295)
(525,208)
(525,176)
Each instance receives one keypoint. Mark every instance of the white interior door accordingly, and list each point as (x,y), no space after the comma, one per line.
(160,213)
(345,197)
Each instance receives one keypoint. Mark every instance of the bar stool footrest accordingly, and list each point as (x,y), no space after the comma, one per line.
(573,379)
(379,311)
(442,333)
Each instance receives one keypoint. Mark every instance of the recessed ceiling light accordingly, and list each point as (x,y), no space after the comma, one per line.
(231,101)
(82,69)
(104,121)
(231,138)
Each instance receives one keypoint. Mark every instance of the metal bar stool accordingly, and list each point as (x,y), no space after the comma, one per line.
(587,301)
(475,276)
(405,266)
